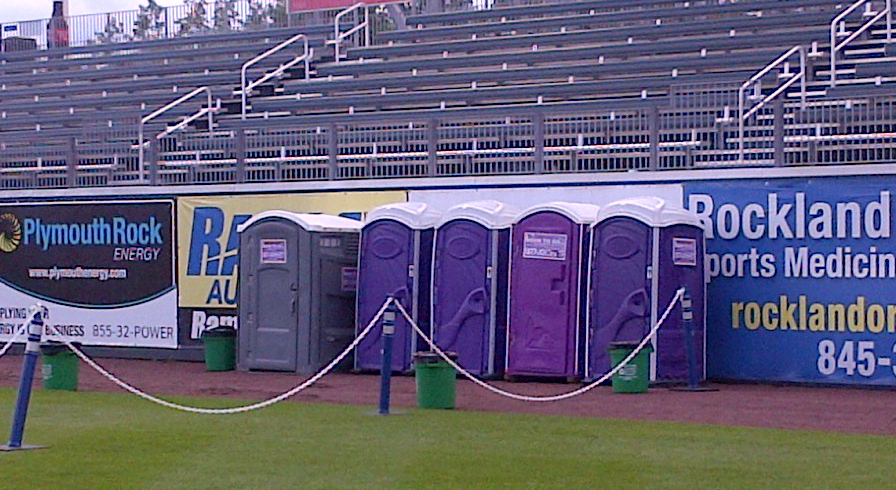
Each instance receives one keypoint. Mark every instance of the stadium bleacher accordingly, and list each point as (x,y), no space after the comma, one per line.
(557,87)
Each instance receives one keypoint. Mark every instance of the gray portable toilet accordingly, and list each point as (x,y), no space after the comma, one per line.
(644,249)
(297,282)
(548,271)
(469,284)
(395,259)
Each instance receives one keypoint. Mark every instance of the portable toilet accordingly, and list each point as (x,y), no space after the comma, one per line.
(469,284)
(396,260)
(644,250)
(548,271)
(297,281)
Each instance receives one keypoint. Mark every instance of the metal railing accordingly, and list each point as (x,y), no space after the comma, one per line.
(306,55)
(339,36)
(756,83)
(837,23)
(827,130)
(160,22)
(208,110)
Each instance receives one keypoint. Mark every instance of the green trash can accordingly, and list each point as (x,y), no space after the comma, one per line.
(60,367)
(634,377)
(436,381)
(220,348)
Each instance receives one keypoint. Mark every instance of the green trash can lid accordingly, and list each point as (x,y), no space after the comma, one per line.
(226,331)
(52,347)
(431,357)
(629,345)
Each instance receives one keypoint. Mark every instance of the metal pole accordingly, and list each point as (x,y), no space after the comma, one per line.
(687,318)
(32,350)
(386,367)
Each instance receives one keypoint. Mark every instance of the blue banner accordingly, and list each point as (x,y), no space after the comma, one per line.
(802,279)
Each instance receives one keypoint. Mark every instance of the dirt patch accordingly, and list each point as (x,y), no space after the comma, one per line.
(852,410)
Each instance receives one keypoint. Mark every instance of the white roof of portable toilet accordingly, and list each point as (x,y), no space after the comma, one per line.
(308,221)
(489,213)
(579,212)
(415,215)
(650,210)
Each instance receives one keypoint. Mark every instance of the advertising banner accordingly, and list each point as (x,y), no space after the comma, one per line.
(802,279)
(105,270)
(208,243)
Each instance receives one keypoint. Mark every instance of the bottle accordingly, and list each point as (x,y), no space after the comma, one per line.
(57,28)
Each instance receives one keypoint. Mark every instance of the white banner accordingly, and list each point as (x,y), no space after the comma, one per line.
(149,324)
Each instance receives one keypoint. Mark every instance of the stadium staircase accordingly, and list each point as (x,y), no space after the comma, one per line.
(587,86)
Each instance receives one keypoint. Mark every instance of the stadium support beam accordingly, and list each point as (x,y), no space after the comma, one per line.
(239,147)
(778,131)
(432,146)
(333,150)
(653,128)
(538,141)
(71,159)
(152,153)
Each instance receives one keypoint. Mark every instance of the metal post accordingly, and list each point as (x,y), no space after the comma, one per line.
(72,162)
(240,150)
(333,150)
(690,336)
(538,137)
(386,367)
(152,153)
(778,131)
(32,350)
(653,127)
(432,147)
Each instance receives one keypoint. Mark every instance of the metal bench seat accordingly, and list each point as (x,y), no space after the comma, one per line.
(519,93)
(537,10)
(147,96)
(619,34)
(127,73)
(240,50)
(245,36)
(714,44)
(117,87)
(713,62)
(597,20)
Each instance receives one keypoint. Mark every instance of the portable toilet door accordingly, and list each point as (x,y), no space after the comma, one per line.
(469,284)
(634,274)
(395,260)
(548,264)
(296,290)
(269,296)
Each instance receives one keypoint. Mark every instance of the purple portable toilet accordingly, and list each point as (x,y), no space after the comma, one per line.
(548,270)
(469,284)
(395,259)
(644,250)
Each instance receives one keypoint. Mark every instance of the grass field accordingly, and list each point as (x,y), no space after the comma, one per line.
(116,441)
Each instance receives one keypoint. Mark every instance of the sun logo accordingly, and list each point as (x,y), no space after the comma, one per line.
(10,232)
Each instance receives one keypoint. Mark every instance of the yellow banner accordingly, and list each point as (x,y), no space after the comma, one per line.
(208,244)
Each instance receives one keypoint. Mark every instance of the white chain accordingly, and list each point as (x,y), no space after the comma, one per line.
(15,335)
(226,411)
(551,398)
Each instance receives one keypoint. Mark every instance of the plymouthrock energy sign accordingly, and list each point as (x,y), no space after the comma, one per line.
(105,270)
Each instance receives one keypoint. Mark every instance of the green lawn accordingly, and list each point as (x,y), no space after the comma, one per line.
(112,441)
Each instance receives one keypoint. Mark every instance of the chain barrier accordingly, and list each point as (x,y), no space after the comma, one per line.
(551,398)
(227,411)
